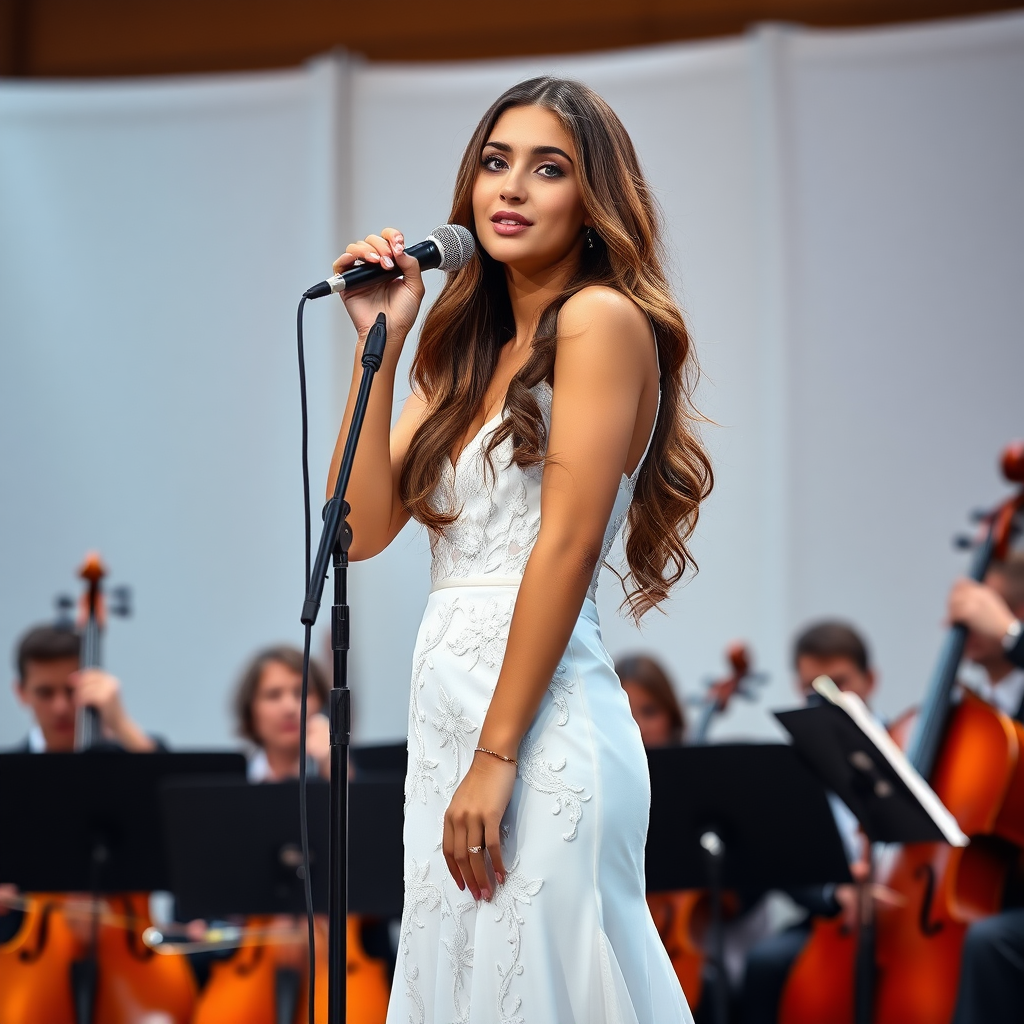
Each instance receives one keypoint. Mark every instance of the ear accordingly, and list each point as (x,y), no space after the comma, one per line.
(872,677)
(18,686)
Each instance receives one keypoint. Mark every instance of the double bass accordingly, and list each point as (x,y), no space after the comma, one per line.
(971,754)
(80,959)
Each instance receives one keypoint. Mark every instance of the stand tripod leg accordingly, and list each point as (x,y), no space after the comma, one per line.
(714,850)
(286,994)
(84,977)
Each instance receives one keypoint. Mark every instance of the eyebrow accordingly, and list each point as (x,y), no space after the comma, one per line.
(536,151)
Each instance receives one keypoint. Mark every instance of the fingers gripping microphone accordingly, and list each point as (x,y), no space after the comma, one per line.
(448,247)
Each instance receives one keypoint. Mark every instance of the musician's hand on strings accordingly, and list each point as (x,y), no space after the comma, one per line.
(979,608)
(102,691)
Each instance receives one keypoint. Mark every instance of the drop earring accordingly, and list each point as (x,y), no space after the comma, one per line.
(590,238)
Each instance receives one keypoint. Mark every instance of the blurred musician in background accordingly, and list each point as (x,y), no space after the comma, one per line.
(52,686)
(652,700)
(837,650)
(662,721)
(992,967)
(242,986)
(267,705)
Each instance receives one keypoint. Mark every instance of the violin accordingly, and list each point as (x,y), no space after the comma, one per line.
(970,753)
(69,965)
(680,917)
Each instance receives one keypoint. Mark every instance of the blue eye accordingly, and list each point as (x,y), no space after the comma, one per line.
(550,171)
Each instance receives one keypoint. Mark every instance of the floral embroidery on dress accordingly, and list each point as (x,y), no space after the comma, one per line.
(454,727)
(486,633)
(560,688)
(419,893)
(460,956)
(420,772)
(540,775)
(516,889)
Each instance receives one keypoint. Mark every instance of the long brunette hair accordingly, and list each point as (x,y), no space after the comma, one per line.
(472,318)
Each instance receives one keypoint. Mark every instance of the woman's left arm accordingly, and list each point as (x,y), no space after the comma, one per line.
(604,361)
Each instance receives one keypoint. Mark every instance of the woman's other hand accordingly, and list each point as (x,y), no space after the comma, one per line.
(399,298)
(473,820)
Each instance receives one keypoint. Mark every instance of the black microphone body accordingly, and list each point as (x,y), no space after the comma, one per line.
(449,247)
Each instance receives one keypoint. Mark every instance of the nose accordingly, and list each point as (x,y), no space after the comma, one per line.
(512,188)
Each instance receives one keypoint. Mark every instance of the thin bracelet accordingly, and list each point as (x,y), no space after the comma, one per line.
(500,757)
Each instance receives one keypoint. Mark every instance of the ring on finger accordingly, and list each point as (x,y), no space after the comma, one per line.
(476,849)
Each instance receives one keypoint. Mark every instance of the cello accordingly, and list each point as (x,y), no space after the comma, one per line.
(50,970)
(970,753)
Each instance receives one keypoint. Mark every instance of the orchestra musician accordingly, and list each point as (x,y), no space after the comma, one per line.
(835,649)
(243,986)
(42,937)
(992,966)
(266,705)
(52,686)
(662,722)
(652,700)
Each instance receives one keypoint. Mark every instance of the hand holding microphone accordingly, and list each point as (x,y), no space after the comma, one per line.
(371,267)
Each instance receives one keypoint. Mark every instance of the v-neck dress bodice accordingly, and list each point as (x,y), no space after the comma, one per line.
(499,510)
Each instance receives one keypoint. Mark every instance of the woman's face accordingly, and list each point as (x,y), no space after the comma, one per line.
(526,197)
(275,708)
(655,724)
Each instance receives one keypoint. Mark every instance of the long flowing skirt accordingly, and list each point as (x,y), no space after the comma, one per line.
(568,937)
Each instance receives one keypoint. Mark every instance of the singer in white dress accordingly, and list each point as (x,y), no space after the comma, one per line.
(550,406)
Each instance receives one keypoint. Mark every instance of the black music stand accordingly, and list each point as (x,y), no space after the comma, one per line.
(235,848)
(856,758)
(738,815)
(90,822)
(381,759)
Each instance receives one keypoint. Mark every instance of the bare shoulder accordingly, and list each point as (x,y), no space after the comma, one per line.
(599,310)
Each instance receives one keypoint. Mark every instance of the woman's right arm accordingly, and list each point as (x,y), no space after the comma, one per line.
(376,513)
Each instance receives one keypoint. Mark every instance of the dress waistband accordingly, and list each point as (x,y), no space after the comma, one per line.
(477,581)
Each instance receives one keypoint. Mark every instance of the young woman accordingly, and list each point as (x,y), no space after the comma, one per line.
(550,387)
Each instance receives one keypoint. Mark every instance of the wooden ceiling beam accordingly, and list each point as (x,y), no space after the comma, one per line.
(69,38)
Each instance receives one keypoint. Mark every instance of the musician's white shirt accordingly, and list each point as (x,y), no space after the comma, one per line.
(1006,695)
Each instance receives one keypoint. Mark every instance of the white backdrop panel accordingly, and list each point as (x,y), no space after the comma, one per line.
(154,239)
(907,245)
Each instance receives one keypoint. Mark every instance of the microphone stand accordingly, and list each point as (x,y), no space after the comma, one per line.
(334,545)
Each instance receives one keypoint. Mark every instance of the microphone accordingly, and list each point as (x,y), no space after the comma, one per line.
(448,247)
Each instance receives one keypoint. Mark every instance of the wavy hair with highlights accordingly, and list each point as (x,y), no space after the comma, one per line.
(472,318)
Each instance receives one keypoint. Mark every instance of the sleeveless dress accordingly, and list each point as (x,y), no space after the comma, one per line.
(568,939)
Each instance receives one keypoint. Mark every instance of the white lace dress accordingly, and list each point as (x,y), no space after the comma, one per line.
(568,938)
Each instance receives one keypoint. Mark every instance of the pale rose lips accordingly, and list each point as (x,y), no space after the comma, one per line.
(507,223)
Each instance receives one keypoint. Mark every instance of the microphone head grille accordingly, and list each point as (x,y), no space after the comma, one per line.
(456,244)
